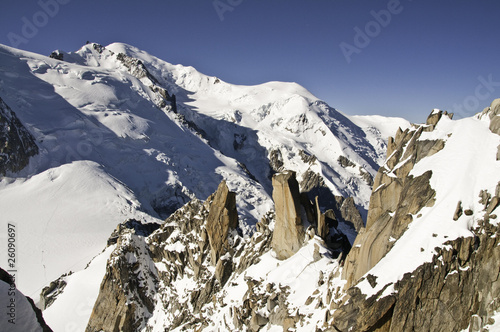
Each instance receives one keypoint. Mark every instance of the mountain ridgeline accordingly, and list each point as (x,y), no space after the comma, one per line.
(240,208)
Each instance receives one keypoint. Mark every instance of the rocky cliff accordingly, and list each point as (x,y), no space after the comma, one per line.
(288,232)
(456,287)
(396,197)
(17,145)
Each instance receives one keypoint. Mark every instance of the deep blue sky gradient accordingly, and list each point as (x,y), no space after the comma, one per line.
(432,53)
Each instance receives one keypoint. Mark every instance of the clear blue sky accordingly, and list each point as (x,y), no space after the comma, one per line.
(427,54)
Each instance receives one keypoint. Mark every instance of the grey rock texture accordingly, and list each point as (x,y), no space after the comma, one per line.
(126,294)
(17,145)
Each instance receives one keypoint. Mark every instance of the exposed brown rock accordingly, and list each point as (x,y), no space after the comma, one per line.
(124,290)
(495,201)
(395,197)
(221,218)
(458,211)
(322,226)
(434,118)
(288,232)
(458,288)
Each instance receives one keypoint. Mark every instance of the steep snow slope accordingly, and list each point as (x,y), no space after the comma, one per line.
(73,307)
(248,123)
(64,216)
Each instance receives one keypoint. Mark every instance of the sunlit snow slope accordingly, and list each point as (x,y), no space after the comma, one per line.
(113,147)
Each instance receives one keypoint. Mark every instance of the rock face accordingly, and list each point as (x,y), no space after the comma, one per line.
(145,271)
(288,234)
(460,282)
(221,219)
(434,118)
(395,197)
(494,114)
(457,290)
(126,294)
(344,209)
(17,145)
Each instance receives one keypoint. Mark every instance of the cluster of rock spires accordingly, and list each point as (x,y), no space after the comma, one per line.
(200,242)
(460,288)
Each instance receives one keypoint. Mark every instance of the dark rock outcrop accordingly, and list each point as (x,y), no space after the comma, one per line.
(276,161)
(345,210)
(50,293)
(139,228)
(58,55)
(17,145)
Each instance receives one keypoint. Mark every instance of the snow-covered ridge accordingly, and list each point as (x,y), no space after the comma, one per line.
(102,127)
(462,171)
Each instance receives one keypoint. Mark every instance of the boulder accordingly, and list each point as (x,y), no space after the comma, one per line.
(288,232)
(458,211)
(495,201)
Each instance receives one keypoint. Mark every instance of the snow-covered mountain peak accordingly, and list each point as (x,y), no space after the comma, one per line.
(163,134)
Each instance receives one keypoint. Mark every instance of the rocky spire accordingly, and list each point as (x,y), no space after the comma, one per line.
(288,232)
(221,218)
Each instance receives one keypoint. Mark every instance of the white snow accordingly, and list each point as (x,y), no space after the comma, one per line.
(64,216)
(109,153)
(71,311)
